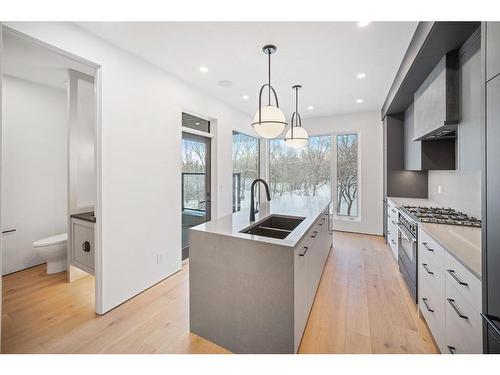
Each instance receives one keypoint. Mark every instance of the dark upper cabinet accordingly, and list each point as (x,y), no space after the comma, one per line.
(412,149)
(492,50)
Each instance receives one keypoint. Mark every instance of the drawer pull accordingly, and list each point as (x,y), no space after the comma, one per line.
(393,242)
(86,246)
(452,349)
(393,222)
(427,247)
(457,279)
(304,252)
(424,300)
(457,310)
(315,234)
(320,224)
(393,210)
(427,269)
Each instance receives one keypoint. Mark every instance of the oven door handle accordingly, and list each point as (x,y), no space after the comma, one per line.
(403,232)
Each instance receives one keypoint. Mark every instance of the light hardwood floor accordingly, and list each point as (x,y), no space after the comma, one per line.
(361,306)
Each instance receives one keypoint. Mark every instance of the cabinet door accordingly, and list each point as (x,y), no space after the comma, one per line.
(413,149)
(82,241)
(492,253)
(492,49)
(301,298)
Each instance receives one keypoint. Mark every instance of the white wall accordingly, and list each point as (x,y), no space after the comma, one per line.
(141,159)
(34,169)
(369,128)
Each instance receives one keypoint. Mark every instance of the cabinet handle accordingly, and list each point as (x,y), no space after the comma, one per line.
(388,232)
(427,247)
(393,210)
(393,222)
(393,241)
(457,310)
(457,279)
(424,300)
(304,252)
(86,246)
(452,349)
(320,224)
(427,269)
(315,234)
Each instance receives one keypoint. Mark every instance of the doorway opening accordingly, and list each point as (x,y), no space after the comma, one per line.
(49,185)
(195,176)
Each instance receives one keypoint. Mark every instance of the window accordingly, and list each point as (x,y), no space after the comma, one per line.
(196,123)
(245,169)
(347,175)
(305,172)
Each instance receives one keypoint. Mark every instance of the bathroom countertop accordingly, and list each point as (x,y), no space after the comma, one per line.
(86,216)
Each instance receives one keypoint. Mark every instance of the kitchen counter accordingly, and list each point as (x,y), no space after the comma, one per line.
(231,225)
(464,243)
(86,216)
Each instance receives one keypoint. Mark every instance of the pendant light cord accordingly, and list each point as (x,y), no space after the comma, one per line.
(269,74)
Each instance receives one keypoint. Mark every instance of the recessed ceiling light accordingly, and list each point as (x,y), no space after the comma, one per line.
(310,108)
(363,23)
(197,123)
(359,101)
(360,75)
(245,97)
(225,83)
(203,69)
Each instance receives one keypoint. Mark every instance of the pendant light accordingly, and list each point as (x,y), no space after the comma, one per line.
(269,121)
(296,136)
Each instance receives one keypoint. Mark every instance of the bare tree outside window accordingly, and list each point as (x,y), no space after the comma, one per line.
(245,168)
(347,175)
(304,172)
(193,174)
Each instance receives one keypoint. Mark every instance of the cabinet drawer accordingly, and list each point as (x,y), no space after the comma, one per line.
(468,285)
(463,323)
(433,277)
(429,251)
(431,305)
(82,245)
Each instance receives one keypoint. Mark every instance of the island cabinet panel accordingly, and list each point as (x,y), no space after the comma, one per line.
(253,294)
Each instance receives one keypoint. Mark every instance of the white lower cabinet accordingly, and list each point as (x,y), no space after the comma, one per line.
(309,260)
(449,299)
(392,227)
(82,245)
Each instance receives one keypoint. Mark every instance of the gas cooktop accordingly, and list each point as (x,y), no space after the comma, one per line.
(439,215)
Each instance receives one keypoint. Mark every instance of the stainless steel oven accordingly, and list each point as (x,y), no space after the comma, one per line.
(407,251)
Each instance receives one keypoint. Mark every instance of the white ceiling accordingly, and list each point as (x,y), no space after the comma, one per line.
(324,57)
(24,59)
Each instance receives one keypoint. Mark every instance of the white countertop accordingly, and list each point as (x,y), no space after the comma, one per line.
(231,225)
(464,243)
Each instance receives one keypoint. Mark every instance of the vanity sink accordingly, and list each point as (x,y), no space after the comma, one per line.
(274,226)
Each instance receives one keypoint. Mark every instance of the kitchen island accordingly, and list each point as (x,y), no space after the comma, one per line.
(252,292)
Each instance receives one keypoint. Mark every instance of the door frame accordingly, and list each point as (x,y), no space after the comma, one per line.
(98,150)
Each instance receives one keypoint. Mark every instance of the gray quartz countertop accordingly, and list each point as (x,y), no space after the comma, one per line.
(231,225)
(86,216)
(463,243)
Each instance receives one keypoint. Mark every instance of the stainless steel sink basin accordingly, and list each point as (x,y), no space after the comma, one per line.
(274,226)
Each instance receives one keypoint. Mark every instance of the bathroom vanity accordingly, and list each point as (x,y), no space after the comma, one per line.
(252,284)
(81,247)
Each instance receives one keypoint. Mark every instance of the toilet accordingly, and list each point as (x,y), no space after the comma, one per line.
(53,251)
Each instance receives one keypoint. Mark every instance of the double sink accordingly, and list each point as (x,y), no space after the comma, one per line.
(274,226)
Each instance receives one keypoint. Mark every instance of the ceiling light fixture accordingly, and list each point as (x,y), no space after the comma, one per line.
(269,121)
(360,75)
(245,97)
(310,108)
(363,23)
(359,101)
(203,69)
(296,136)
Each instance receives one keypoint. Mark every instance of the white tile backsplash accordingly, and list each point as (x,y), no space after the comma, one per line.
(460,190)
